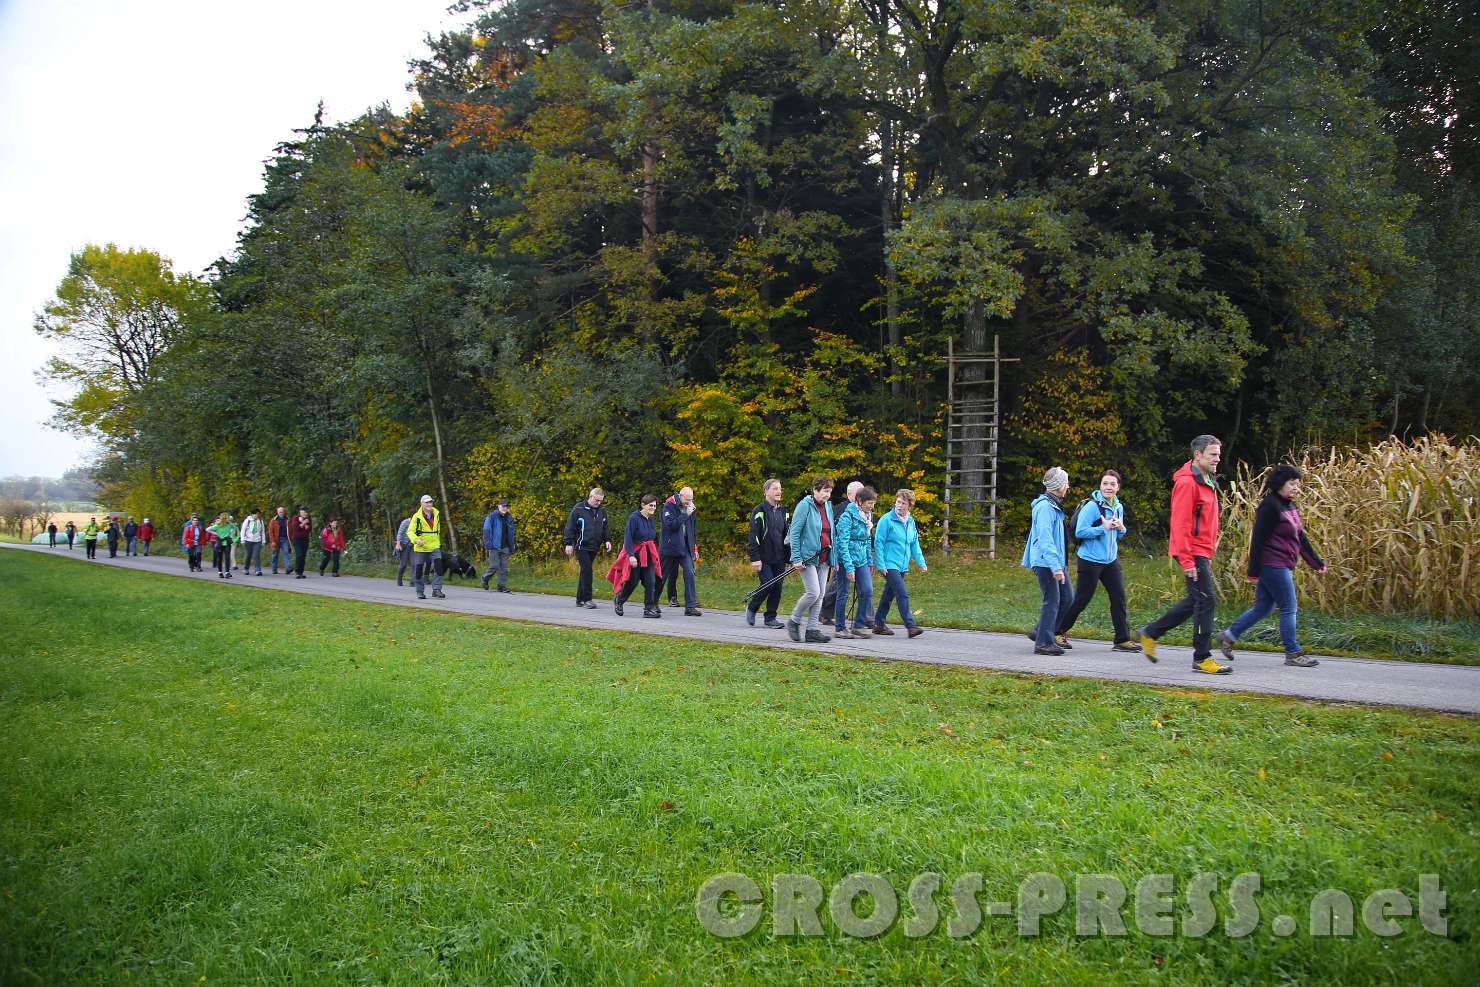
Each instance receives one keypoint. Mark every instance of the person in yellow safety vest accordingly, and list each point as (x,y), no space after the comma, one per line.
(426,543)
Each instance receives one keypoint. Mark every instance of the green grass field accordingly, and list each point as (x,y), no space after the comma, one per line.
(1001,596)
(204,784)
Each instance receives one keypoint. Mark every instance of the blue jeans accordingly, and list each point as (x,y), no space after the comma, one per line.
(864,580)
(672,566)
(1276,589)
(895,589)
(1058,597)
(284,550)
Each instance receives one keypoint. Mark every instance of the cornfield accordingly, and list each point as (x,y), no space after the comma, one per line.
(1397,524)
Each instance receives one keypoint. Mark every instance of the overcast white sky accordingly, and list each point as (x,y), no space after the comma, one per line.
(146,123)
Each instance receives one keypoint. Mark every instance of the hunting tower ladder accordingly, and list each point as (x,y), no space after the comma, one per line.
(973,426)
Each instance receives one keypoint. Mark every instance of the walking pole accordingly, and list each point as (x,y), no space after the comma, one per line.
(772,582)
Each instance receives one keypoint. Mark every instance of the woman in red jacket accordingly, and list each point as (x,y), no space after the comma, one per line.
(331,540)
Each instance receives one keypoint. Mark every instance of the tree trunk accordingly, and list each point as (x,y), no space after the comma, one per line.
(426,366)
(886,217)
(1421,424)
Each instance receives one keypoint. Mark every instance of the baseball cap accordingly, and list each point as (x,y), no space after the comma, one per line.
(426,498)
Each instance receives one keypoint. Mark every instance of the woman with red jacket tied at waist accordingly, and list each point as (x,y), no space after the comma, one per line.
(1193,541)
(640,553)
(1278,543)
(331,540)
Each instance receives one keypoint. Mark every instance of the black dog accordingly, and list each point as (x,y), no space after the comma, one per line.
(456,565)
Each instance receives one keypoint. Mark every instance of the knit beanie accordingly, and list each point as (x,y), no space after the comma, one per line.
(1055,479)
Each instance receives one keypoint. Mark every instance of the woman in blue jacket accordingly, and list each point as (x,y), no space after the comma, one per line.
(811,540)
(1099,524)
(1045,554)
(896,545)
(855,561)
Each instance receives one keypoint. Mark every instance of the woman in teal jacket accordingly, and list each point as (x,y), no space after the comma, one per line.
(1046,555)
(811,539)
(855,558)
(896,544)
(1099,524)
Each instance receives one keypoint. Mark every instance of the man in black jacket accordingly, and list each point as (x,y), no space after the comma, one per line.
(679,549)
(768,553)
(586,531)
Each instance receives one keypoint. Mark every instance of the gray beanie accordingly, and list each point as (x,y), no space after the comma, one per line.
(1055,478)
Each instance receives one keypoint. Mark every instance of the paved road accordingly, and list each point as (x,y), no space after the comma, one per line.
(1421,685)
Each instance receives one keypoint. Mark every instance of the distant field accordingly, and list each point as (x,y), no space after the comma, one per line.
(204,784)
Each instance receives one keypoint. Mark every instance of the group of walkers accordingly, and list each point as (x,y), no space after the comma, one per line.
(820,542)
(131,534)
(283,537)
(1278,543)
(848,547)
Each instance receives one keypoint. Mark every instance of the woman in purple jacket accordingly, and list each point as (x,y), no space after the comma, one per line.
(1278,543)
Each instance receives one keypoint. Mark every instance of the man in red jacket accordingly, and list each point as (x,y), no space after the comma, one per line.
(1193,541)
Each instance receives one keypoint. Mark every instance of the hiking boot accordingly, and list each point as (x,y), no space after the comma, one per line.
(1055,650)
(774,624)
(794,630)
(591,605)
(1210,667)
(692,612)
(421,596)
(750,617)
(817,637)
(1225,644)
(883,629)
(915,631)
(580,603)
(654,613)
(1126,645)
(1062,640)
(484,583)
(843,633)
(673,601)
(1300,659)
(862,632)
(439,594)
(617,609)
(1148,644)
(505,589)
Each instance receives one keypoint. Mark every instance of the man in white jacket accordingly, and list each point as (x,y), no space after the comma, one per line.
(253,536)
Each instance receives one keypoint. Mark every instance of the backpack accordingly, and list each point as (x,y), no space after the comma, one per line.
(1071,521)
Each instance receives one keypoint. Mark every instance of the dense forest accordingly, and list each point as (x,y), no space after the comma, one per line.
(649,243)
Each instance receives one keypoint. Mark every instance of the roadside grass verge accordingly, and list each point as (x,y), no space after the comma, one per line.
(202,781)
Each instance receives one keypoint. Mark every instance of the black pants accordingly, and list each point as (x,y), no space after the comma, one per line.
(112,548)
(193,557)
(328,556)
(300,554)
(583,587)
(772,596)
(649,587)
(1092,574)
(1197,604)
(223,556)
(92,547)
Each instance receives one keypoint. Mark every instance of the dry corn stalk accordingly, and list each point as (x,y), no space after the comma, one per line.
(1398,524)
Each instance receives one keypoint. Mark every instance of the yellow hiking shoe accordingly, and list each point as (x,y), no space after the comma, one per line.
(1210,667)
(1148,644)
